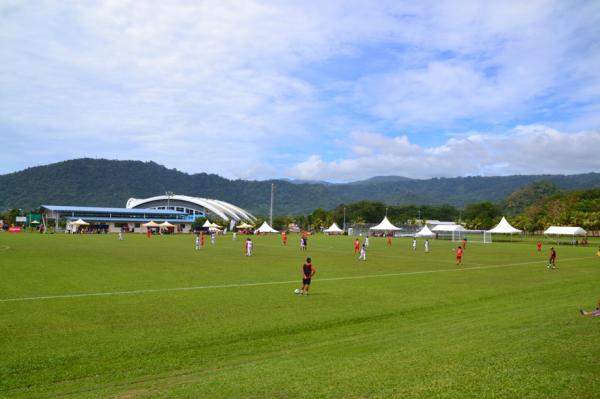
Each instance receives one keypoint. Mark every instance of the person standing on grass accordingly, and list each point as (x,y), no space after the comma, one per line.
(552,260)
(367,241)
(539,246)
(249,246)
(363,253)
(389,240)
(356,246)
(234,236)
(464,243)
(591,313)
(426,245)
(212,238)
(308,271)
(197,242)
(121,234)
(284,238)
(414,244)
(459,254)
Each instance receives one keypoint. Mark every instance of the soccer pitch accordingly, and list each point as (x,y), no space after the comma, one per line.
(88,316)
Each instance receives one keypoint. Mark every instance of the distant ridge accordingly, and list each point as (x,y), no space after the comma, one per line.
(102,182)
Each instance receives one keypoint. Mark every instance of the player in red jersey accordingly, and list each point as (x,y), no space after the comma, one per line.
(464,243)
(539,246)
(284,238)
(356,246)
(459,254)
(308,271)
(552,260)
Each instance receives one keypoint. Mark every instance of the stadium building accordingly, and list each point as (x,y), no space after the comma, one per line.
(209,208)
(178,210)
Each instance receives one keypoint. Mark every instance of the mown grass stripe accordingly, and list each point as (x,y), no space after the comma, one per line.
(265,283)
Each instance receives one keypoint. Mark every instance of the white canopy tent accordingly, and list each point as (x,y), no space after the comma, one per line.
(448,228)
(504,228)
(385,225)
(166,224)
(244,226)
(425,232)
(333,229)
(265,228)
(151,223)
(565,231)
(79,222)
(207,223)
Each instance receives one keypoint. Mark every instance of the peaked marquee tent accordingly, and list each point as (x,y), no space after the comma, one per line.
(265,228)
(425,232)
(385,225)
(504,228)
(333,229)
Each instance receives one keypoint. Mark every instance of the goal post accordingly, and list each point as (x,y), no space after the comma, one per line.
(477,236)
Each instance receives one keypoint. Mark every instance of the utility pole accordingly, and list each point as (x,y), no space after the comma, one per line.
(271,209)
(344,219)
(169,194)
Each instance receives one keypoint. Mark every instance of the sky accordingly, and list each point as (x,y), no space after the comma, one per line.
(335,90)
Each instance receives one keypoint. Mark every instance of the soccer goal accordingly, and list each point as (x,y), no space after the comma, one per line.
(478,236)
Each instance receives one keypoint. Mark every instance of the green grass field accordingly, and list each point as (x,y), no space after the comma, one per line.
(92,317)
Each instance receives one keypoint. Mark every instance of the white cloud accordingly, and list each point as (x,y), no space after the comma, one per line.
(276,80)
(532,149)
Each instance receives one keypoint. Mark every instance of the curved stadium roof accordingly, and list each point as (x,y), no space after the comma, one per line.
(222,209)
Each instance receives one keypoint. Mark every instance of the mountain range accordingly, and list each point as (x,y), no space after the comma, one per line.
(102,182)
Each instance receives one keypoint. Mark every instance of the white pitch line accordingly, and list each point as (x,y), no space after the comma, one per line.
(241,285)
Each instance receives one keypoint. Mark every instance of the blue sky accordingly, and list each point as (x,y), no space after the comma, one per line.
(337,90)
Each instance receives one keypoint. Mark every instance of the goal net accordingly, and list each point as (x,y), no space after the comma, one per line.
(478,236)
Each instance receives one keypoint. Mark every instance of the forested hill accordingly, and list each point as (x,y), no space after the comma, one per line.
(101,182)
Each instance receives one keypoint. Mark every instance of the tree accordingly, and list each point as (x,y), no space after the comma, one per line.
(483,215)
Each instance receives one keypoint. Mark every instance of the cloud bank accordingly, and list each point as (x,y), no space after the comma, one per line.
(201,86)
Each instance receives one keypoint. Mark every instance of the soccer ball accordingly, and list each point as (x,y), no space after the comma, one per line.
(297,291)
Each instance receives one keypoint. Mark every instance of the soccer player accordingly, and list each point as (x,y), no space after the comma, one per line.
(367,241)
(234,236)
(121,234)
(249,246)
(595,313)
(148,232)
(197,242)
(539,246)
(414,244)
(464,243)
(201,240)
(284,238)
(389,240)
(212,239)
(426,245)
(363,253)
(308,271)
(356,246)
(459,254)
(552,260)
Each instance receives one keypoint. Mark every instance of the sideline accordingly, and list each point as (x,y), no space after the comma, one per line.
(241,285)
